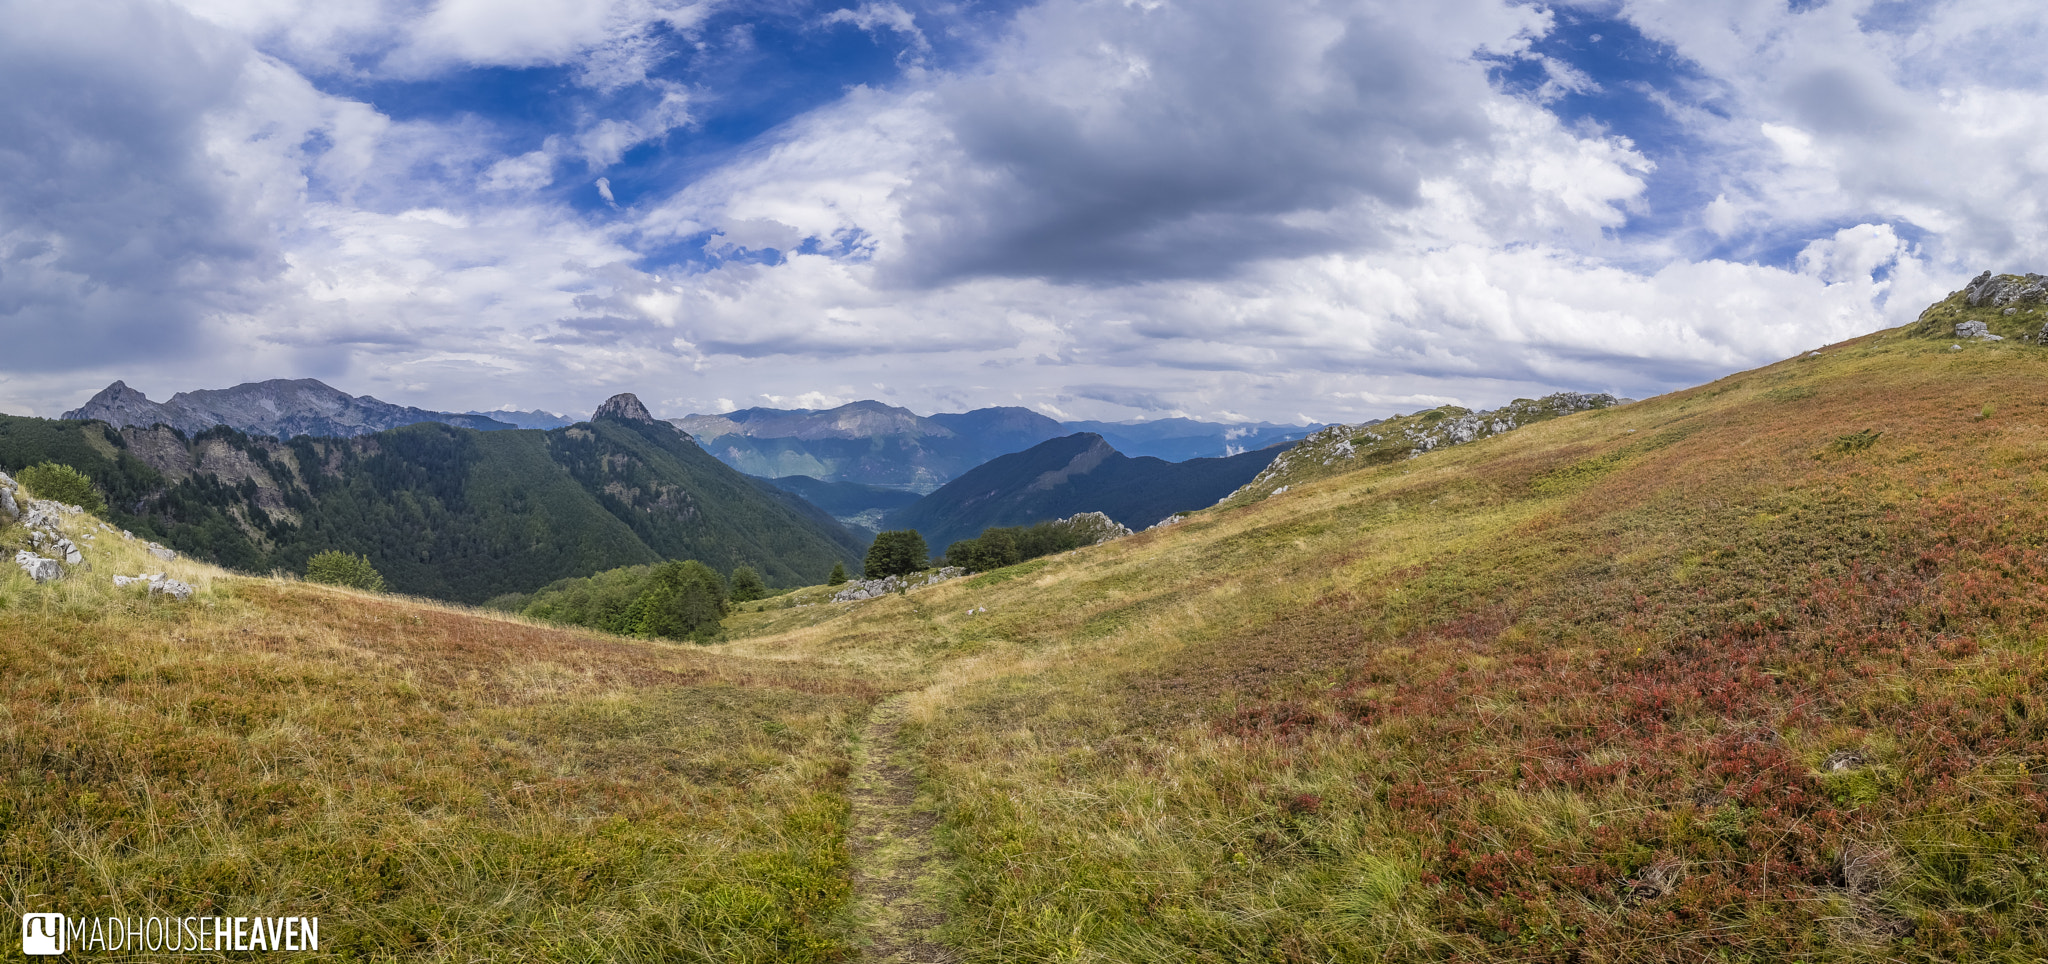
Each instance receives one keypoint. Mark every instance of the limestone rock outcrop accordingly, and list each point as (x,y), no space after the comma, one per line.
(624,407)
(158,583)
(870,588)
(2001,291)
(38,568)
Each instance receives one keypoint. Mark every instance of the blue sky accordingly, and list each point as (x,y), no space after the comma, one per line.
(1097,208)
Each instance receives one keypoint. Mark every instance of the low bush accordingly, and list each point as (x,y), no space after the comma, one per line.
(62,483)
(337,568)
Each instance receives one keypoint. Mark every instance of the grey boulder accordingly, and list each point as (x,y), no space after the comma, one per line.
(37,567)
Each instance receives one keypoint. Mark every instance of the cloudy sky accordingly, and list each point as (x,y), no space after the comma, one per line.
(1097,208)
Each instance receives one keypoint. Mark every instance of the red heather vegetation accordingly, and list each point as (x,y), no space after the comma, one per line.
(1749,672)
(1752,672)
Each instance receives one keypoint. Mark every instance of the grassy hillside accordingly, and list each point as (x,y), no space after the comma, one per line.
(1714,676)
(432,783)
(1751,672)
(441,511)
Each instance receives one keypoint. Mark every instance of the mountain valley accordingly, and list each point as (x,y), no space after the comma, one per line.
(1748,671)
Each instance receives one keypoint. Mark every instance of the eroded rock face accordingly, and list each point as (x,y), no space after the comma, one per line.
(2002,290)
(10,504)
(625,407)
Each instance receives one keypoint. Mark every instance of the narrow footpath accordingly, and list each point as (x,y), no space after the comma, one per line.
(893,856)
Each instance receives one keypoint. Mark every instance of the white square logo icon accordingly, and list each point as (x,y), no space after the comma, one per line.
(42,934)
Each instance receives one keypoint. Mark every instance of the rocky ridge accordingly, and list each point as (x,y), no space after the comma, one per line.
(1342,448)
(1990,308)
(280,408)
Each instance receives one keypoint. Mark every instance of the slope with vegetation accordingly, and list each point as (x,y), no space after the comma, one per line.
(1752,671)
(1345,448)
(442,511)
(1749,672)
(1074,474)
(431,783)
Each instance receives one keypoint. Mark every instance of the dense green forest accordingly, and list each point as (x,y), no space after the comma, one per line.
(440,511)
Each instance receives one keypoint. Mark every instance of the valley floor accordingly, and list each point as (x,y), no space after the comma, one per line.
(1749,672)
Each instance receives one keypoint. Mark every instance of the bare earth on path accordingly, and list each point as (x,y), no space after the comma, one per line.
(892,850)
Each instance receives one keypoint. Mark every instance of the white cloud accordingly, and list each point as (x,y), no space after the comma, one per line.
(876,17)
(1200,206)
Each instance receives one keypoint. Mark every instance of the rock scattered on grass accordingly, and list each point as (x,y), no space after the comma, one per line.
(1843,761)
(870,588)
(38,568)
(1977,330)
(159,585)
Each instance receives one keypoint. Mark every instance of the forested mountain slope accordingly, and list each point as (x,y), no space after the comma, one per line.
(1064,476)
(441,511)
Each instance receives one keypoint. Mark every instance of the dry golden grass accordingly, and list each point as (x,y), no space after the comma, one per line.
(433,783)
(1753,671)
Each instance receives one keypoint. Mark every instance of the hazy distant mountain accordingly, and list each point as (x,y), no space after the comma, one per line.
(872,443)
(1077,473)
(850,503)
(866,442)
(534,419)
(281,408)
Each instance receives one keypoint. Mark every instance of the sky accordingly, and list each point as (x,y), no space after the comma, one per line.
(1286,211)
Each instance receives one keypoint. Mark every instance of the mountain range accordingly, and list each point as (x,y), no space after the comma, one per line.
(534,419)
(442,511)
(280,407)
(1071,474)
(867,442)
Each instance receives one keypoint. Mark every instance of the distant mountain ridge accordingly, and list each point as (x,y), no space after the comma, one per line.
(866,442)
(877,444)
(280,408)
(1073,474)
(534,419)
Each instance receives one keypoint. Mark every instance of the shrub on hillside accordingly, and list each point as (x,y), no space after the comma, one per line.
(1007,546)
(683,600)
(838,576)
(603,601)
(747,585)
(62,483)
(898,552)
(337,568)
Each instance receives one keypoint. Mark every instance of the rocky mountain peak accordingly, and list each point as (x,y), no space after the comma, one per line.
(624,407)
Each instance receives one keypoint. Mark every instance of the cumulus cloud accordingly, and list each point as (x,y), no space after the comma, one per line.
(119,230)
(1103,209)
(1848,112)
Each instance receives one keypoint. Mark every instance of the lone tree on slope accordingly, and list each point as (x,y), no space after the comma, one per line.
(898,552)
